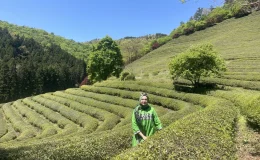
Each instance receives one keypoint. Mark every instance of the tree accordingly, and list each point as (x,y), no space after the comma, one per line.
(105,60)
(200,60)
(198,14)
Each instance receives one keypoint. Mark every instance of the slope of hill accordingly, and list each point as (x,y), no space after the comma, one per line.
(79,50)
(235,39)
(93,122)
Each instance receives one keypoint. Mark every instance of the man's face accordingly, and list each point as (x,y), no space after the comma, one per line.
(144,100)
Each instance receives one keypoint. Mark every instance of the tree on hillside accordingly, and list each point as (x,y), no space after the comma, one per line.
(27,68)
(198,61)
(105,60)
(198,14)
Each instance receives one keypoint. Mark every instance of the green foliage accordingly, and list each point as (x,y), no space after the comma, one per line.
(238,10)
(197,136)
(217,15)
(3,129)
(79,50)
(200,25)
(27,68)
(105,60)
(198,61)
(248,102)
(127,76)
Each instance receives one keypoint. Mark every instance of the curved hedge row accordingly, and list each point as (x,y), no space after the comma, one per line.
(255,85)
(3,129)
(108,119)
(35,119)
(26,130)
(62,122)
(154,99)
(121,111)
(102,95)
(198,99)
(84,120)
(248,101)
(10,135)
(104,145)
(207,134)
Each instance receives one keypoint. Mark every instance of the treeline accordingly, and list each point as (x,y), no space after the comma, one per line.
(205,18)
(79,50)
(28,68)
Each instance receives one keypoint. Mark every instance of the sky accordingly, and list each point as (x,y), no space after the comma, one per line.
(85,20)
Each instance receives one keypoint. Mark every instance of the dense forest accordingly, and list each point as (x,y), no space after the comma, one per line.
(79,50)
(28,68)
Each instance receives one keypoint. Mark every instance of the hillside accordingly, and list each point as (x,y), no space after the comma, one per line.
(79,50)
(236,40)
(94,122)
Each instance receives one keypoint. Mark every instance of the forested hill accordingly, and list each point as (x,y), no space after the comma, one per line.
(79,50)
(28,68)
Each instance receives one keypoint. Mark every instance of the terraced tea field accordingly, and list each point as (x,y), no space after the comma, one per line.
(94,122)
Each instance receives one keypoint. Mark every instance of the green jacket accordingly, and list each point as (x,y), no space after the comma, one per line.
(145,120)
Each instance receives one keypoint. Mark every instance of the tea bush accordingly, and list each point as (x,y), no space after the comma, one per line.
(197,136)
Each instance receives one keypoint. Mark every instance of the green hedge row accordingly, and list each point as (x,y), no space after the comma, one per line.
(243,77)
(206,134)
(3,129)
(10,135)
(120,97)
(62,122)
(104,145)
(104,97)
(248,101)
(84,120)
(118,110)
(255,85)
(36,119)
(108,119)
(198,99)
(173,116)
(153,99)
(26,130)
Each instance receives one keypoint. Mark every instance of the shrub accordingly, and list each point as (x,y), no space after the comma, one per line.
(197,136)
(200,25)
(127,76)
(237,10)
(218,15)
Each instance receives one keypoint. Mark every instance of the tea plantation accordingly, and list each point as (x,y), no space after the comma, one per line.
(94,122)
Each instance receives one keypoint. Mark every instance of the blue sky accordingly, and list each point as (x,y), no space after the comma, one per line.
(84,20)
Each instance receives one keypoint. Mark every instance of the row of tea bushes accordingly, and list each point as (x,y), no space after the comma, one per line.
(108,119)
(248,101)
(243,77)
(3,129)
(35,119)
(173,116)
(123,112)
(115,109)
(254,85)
(154,99)
(206,134)
(104,145)
(198,99)
(65,124)
(10,135)
(25,129)
(83,120)
(100,94)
